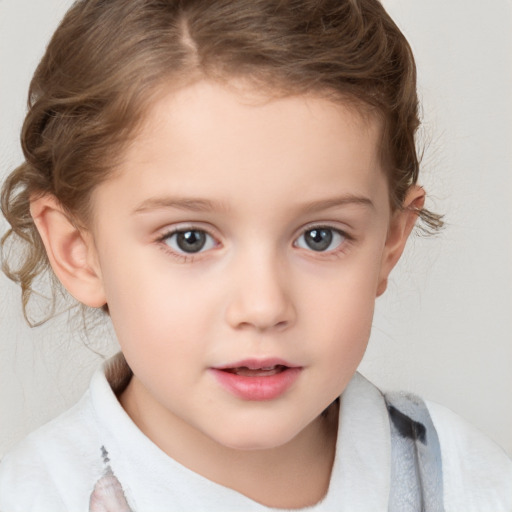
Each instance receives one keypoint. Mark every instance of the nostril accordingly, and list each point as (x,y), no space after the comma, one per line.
(279,326)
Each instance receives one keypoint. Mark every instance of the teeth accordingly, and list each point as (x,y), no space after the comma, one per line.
(257,372)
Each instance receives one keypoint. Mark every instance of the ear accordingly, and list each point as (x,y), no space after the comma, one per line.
(400,227)
(70,250)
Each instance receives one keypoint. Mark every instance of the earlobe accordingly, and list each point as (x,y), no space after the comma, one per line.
(70,251)
(401,226)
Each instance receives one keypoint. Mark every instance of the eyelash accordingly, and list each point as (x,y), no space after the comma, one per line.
(190,257)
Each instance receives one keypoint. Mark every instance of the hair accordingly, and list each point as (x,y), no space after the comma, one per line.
(108,58)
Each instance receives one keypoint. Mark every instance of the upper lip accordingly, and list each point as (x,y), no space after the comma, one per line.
(257,364)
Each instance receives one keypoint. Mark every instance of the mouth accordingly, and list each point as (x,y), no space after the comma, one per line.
(257,380)
(266,371)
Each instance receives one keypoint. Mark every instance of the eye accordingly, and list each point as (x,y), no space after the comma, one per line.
(189,241)
(320,239)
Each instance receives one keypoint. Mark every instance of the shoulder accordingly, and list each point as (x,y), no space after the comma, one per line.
(26,480)
(53,465)
(477,473)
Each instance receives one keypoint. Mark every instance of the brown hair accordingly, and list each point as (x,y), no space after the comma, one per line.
(104,63)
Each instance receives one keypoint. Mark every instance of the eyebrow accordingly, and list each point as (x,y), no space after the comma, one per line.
(188,204)
(325,204)
(206,205)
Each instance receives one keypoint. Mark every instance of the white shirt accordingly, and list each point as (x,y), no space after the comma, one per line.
(57,467)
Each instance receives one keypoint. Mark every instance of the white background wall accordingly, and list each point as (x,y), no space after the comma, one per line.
(444,327)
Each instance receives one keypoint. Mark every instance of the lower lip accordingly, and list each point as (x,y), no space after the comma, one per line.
(257,388)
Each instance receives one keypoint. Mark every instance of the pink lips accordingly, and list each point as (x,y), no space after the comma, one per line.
(257,380)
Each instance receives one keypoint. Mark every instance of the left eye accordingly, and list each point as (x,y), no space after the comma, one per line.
(189,241)
(320,239)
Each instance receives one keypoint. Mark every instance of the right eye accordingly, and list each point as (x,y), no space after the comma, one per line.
(189,241)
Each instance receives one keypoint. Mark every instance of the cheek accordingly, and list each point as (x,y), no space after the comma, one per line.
(340,314)
(344,298)
(157,313)
(346,328)
(157,333)
(346,333)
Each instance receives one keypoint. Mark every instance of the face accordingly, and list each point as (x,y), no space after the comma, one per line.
(240,248)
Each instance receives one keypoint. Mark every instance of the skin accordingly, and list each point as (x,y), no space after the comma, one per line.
(256,175)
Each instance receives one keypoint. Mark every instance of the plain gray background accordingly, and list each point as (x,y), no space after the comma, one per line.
(444,327)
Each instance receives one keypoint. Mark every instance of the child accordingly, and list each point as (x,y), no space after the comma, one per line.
(232,182)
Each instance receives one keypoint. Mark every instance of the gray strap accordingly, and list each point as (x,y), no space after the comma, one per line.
(416,468)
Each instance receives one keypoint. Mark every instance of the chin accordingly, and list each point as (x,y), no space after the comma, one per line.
(267,437)
(248,445)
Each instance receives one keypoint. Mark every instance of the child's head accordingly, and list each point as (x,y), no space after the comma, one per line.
(237,177)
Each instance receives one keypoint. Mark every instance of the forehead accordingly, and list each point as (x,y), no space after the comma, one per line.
(239,145)
(201,105)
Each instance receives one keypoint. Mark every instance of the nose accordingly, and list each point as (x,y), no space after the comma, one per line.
(260,296)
